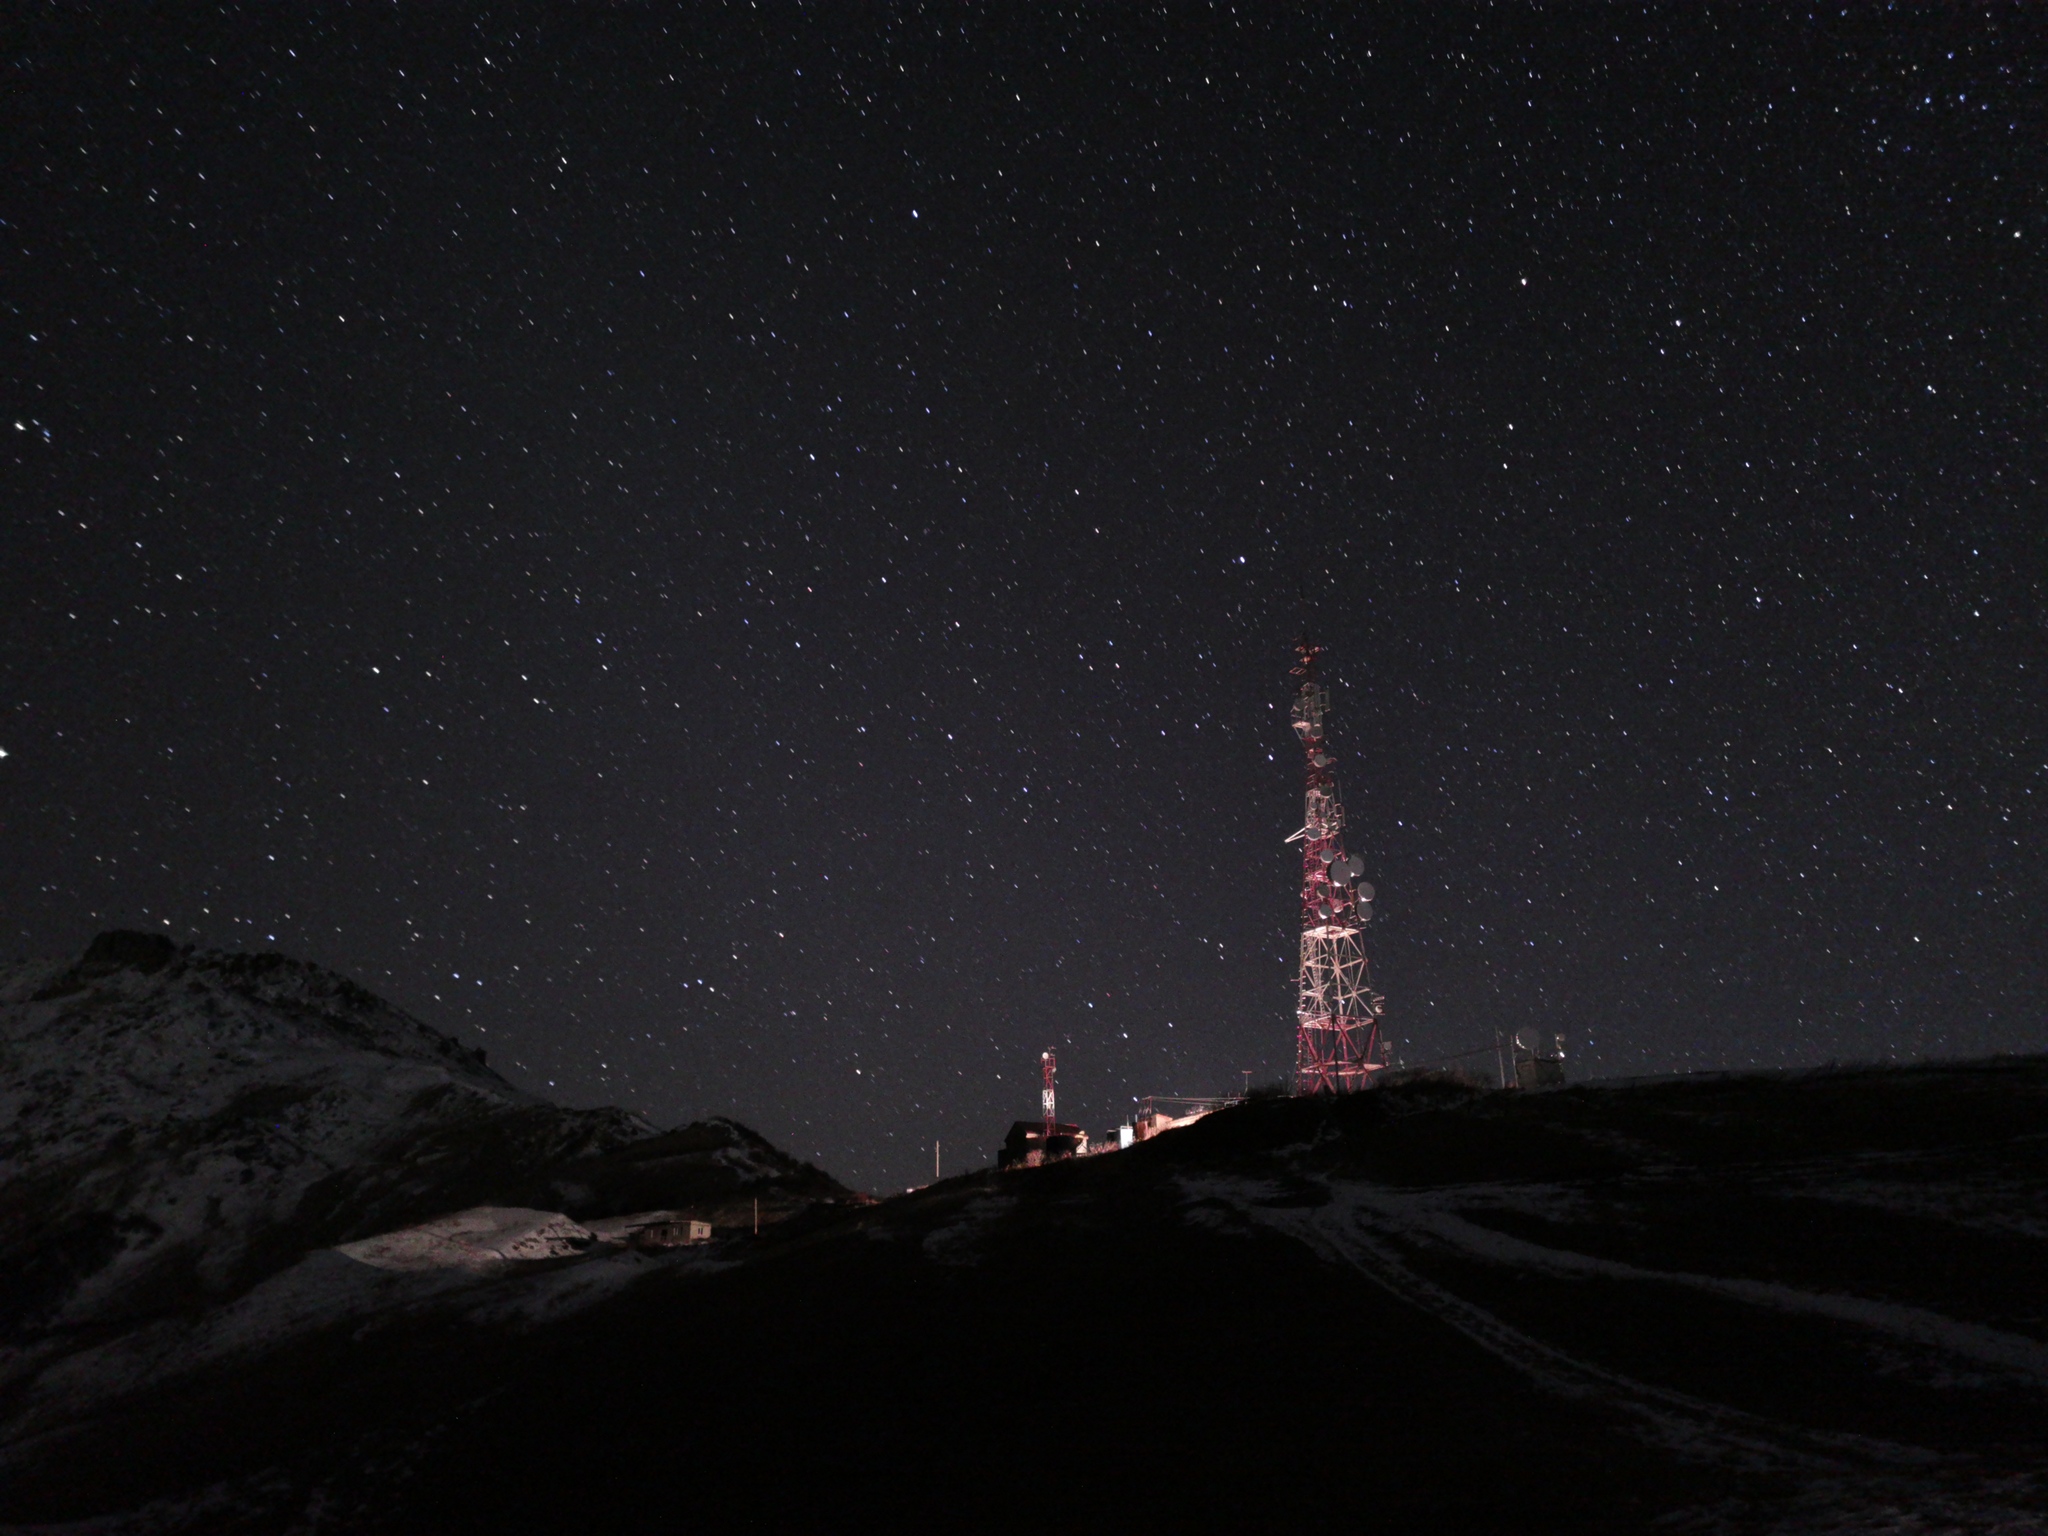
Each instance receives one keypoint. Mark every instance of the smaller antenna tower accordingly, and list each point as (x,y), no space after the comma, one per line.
(1048,1064)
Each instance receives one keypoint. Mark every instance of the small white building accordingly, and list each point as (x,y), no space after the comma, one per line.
(652,1229)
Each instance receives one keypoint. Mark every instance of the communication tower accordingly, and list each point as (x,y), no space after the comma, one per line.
(1047,1065)
(1337,1045)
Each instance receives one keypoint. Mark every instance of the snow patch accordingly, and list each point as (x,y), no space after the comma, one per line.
(479,1238)
(958,1242)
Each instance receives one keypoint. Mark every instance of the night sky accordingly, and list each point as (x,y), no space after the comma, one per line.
(745,559)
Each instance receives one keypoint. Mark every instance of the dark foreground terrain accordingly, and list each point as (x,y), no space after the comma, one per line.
(1792,1303)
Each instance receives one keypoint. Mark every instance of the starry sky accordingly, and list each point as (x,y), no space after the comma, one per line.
(745,558)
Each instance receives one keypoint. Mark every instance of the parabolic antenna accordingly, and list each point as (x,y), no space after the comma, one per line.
(1365,892)
(1526,1039)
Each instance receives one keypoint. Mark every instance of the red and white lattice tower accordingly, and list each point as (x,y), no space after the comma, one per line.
(1047,1065)
(1337,1045)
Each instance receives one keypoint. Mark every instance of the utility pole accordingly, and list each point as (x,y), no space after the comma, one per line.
(935,1162)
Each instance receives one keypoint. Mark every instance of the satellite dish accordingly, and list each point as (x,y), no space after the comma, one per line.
(1365,892)
(1353,867)
(1328,855)
(1527,1038)
(1365,911)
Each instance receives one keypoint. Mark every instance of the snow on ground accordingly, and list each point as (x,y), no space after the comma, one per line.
(1378,1230)
(479,1238)
(1361,1217)
(1900,1182)
(959,1241)
(550,1294)
(320,1290)
(495,1284)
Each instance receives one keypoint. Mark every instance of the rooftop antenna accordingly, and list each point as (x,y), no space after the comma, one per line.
(1337,1043)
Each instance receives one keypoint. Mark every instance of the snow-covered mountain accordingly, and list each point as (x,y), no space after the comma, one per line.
(176,1125)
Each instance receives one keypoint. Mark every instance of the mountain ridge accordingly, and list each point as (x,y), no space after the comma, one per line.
(180,1123)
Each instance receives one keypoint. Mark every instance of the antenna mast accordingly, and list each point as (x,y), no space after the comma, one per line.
(1047,1065)
(1337,1044)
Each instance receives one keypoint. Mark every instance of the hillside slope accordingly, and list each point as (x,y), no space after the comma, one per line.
(176,1125)
(1743,1305)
